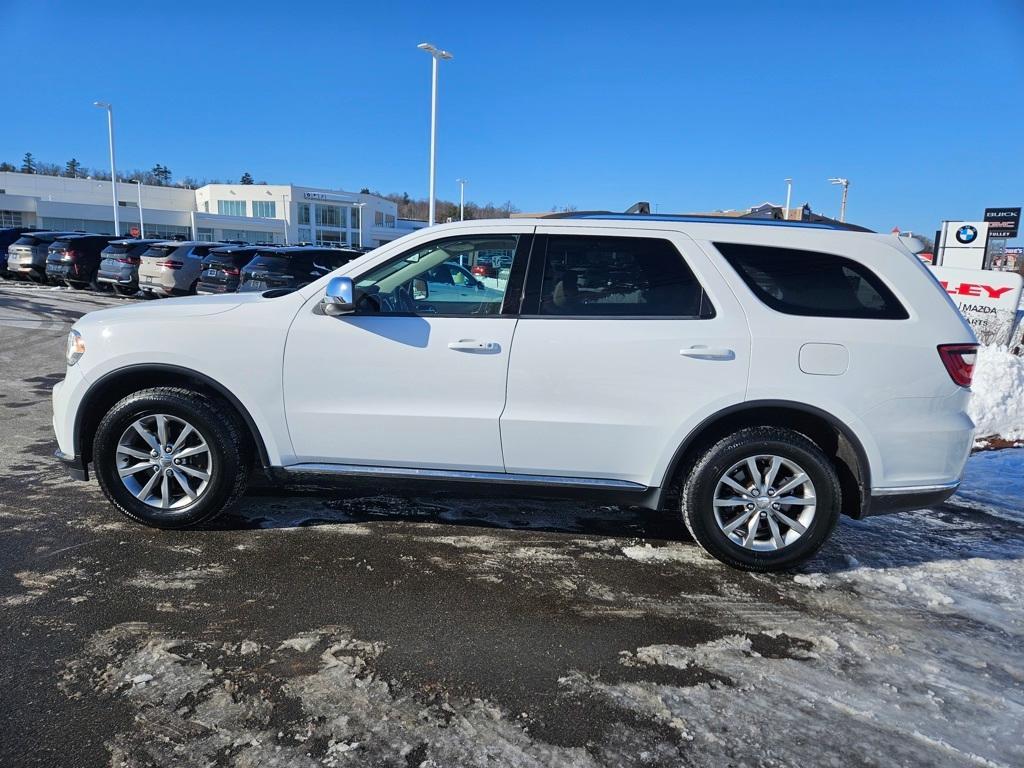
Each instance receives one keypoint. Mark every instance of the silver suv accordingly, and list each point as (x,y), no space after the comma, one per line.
(172,267)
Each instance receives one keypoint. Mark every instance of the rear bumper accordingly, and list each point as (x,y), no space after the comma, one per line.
(886,501)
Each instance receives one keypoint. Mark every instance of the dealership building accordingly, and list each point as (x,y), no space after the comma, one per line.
(278,213)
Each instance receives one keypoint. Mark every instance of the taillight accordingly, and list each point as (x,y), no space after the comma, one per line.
(129,260)
(170,264)
(959,360)
(232,271)
(70,255)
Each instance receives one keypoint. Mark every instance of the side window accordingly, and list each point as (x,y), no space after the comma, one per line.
(811,283)
(456,276)
(619,277)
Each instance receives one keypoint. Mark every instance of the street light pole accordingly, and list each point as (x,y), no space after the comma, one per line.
(142,226)
(436,55)
(462,199)
(845,183)
(359,206)
(285,213)
(789,196)
(113,166)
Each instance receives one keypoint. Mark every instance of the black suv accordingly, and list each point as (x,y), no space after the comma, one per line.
(75,259)
(292,267)
(7,238)
(222,268)
(119,265)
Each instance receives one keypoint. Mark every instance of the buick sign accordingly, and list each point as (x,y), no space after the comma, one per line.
(1003,222)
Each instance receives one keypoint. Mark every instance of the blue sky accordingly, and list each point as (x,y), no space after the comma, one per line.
(693,106)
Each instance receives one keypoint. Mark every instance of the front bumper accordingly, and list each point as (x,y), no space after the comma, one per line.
(73,464)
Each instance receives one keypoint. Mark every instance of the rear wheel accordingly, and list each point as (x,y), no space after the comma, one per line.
(121,290)
(170,457)
(762,499)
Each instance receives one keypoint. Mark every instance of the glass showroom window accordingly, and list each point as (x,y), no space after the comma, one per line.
(329,216)
(266,209)
(355,218)
(10,218)
(231,207)
(303,213)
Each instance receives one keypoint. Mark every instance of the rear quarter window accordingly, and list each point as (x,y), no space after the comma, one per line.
(812,283)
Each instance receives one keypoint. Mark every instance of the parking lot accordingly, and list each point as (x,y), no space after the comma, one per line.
(363,628)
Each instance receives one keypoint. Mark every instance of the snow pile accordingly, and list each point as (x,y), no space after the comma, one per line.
(997,405)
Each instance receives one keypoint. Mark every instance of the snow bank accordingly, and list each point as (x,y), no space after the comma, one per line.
(997,405)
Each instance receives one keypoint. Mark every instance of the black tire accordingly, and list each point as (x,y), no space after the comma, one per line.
(121,290)
(218,425)
(698,493)
(78,286)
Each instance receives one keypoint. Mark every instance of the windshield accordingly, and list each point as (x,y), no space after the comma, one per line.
(27,240)
(116,250)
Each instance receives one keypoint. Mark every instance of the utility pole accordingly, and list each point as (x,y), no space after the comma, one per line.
(789,196)
(113,167)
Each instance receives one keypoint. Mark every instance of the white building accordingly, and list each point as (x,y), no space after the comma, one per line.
(281,213)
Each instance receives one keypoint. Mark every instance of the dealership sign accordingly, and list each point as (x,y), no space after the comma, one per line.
(1003,222)
(986,298)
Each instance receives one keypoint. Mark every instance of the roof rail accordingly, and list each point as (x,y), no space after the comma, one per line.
(608,216)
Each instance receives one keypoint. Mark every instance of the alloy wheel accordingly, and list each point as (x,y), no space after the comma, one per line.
(764,502)
(164,461)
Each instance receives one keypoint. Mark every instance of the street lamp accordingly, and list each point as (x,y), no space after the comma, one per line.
(845,183)
(360,206)
(435,55)
(789,195)
(113,167)
(285,213)
(142,226)
(462,199)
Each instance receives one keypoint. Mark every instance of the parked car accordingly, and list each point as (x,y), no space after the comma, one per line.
(757,379)
(449,285)
(7,238)
(172,267)
(291,267)
(74,260)
(119,265)
(26,256)
(222,268)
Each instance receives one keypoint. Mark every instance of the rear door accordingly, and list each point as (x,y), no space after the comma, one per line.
(627,340)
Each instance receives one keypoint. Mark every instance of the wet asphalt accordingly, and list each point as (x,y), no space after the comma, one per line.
(461,623)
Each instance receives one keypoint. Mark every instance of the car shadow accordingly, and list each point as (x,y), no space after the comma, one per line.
(264,508)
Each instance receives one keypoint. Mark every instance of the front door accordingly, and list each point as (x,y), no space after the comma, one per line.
(416,377)
(626,341)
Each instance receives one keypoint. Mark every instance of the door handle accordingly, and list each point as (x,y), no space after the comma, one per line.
(472,345)
(702,352)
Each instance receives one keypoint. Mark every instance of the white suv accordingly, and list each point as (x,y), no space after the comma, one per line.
(756,378)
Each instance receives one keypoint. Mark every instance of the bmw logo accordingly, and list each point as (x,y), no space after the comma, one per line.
(966,234)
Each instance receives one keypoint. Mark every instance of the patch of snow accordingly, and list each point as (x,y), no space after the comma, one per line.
(997,399)
(672,553)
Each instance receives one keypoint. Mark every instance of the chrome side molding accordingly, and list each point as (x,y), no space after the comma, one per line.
(412,473)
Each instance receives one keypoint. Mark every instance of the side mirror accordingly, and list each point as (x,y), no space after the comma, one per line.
(420,291)
(339,297)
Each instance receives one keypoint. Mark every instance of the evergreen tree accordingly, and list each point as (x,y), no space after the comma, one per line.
(246,178)
(28,163)
(72,168)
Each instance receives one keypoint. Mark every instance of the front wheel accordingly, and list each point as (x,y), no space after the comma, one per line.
(170,457)
(762,499)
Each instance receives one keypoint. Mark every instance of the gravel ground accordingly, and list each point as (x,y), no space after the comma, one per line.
(363,628)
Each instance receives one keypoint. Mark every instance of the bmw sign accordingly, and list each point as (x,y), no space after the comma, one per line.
(967,234)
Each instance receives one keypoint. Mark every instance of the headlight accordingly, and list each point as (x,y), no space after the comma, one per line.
(75,348)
